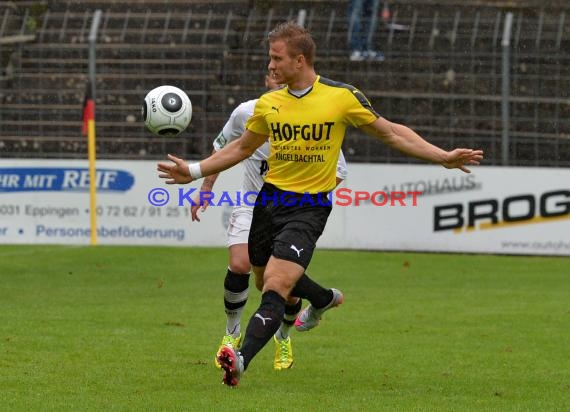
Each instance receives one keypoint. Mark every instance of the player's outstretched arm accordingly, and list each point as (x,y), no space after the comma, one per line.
(179,172)
(404,139)
(175,172)
(459,158)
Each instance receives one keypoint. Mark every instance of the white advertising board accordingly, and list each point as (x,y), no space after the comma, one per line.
(492,210)
(47,202)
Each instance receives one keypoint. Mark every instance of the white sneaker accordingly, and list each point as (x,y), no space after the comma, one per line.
(310,317)
(374,55)
(356,56)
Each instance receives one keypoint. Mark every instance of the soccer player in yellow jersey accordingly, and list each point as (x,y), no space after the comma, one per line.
(236,281)
(305,123)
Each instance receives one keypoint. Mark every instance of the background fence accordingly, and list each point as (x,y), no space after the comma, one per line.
(442,74)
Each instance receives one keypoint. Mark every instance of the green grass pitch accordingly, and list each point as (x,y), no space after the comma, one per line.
(136,329)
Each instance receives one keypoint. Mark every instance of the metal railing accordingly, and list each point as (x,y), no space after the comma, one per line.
(443,75)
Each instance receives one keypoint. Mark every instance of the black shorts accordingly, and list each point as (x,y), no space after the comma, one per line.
(286,225)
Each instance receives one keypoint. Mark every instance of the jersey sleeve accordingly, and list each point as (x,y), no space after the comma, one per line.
(256,122)
(235,126)
(341,169)
(359,111)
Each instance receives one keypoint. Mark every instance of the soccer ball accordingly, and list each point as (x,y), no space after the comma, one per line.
(166,111)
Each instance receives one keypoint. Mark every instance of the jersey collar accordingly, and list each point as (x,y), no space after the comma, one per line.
(302,93)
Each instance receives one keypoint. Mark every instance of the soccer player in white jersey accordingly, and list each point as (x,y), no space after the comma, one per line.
(236,282)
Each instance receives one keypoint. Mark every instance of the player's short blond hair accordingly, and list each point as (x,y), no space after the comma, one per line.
(297,38)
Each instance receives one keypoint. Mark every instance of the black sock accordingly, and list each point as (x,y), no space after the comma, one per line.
(291,312)
(308,289)
(236,290)
(235,283)
(262,325)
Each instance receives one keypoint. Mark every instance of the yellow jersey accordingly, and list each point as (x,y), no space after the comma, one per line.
(306,133)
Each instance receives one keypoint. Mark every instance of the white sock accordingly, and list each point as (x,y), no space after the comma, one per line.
(233,325)
(291,312)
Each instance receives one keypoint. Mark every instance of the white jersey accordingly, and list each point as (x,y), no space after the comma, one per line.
(255,167)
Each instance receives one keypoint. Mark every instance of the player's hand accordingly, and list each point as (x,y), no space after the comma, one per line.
(196,205)
(174,173)
(459,158)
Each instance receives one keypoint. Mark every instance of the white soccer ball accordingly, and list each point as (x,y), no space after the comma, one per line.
(166,111)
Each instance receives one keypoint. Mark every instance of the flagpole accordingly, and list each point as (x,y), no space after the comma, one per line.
(91,147)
